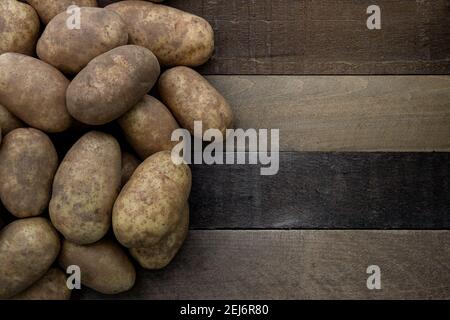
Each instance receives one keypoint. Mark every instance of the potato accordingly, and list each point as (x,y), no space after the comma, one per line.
(52,286)
(148,127)
(85,187)
(191,98)
(149,206)
(34,91)
(70,50)
(28,162)
(19,27)
(104,266)
(8,122)
(177,38)
(129,165)
(28,248)
(112,84)
(47,9)
(161,254)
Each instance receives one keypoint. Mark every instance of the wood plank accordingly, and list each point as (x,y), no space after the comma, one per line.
(344,113)
(326,191)
(325,37)
(300,265)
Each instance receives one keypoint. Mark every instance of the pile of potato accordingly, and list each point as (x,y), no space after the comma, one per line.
(100,204)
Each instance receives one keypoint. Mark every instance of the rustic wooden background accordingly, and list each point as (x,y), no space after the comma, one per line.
(364,119)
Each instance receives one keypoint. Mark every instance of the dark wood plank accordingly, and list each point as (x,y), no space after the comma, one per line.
(326,191)
(351,113)
(300,265)
(325,37)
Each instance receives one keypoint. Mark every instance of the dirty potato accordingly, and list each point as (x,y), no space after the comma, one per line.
(191,98)
(148,127)
(85,187)
(70,50)
(177,38)
(47,9)
(161,254)
(150,205)
(28,162)
(8,122)
(104,265)
(28,247)
(34,91)
(112,84)
(19,27)
(52,286)
(129,165)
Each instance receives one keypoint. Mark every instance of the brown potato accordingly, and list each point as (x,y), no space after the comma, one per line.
(70,50)
(28,248)
(104,265)
(129,165)
(34,91)
(19,27)
(149,206)
(112,84)
(52,286)
(161,254)
(47,9)
(177,38)
(148,127)
(8,122)
(28,162)
(85,187)
(191,98)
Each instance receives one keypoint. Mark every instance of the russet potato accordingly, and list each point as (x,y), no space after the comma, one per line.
(28,247)
(85,186)
(150,205)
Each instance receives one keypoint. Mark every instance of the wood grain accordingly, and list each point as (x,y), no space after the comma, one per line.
(325,37)
(300,265)
(344,113)
(326,191)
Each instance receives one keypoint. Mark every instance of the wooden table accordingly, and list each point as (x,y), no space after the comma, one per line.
(364,119)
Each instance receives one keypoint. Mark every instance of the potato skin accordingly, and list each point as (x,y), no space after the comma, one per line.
(177,38)
(191,98)
(28,162)
(148,127)
(19,27)
(28,248)
(85,187)
(34,91)
(104,265)
(48,9)
(52,286)
(8,122)
(150,205)
(112,84)
(161,254)
(129,165)
(70,50)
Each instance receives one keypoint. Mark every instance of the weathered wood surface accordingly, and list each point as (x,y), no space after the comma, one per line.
(326,191)
(325,37)
(301,265)
(344,113)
